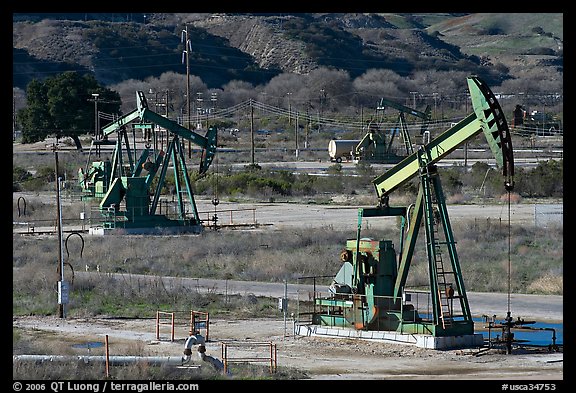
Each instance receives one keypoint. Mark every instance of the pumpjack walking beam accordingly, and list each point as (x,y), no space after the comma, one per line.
(487,117)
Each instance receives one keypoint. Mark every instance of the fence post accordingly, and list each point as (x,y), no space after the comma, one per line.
(172,332)
(107,358)
(157,325)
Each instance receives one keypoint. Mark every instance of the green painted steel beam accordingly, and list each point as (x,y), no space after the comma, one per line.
(439,148)
(208,143)
(114,194)
(152,171)
(487,117)
(334,303)
(140,162)
(162,176)
(411,236)
(385,102)
(384,211)
(121,122)
(172,126)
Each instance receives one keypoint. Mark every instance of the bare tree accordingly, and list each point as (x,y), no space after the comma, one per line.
(236,91)
(376,83)
(329,88)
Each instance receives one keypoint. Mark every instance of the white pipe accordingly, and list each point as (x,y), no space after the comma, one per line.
(199,340)
(154,360)
(190,341)
(195,339)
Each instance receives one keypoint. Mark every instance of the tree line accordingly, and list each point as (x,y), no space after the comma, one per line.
(63,105)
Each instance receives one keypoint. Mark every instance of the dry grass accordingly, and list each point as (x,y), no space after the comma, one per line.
(548,285)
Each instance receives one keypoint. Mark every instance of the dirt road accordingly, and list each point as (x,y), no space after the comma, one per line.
(288,215)
(528,307)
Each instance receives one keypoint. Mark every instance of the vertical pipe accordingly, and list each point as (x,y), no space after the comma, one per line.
(172,328)
(207,325)
(296,134)
(271,359)
(225,357)
(252,133)
(107,358)
(157,325)
(191,329)
(59,218)
(275,358)
(284,306)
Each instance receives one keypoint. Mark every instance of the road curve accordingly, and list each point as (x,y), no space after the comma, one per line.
(527,307)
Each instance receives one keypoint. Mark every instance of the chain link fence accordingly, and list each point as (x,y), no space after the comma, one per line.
(548,215)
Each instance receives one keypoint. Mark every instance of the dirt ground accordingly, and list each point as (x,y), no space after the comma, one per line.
(321,358)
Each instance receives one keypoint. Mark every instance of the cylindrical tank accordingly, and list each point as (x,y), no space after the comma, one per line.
(341,148)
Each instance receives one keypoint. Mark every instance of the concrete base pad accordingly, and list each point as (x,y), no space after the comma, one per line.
(167,230)
(419,340)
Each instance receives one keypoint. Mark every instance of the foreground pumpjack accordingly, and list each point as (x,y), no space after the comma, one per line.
(369,291)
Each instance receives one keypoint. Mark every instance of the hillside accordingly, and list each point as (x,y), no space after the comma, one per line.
(527,43)
(257,47)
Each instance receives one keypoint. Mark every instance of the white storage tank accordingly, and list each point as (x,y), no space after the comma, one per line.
(340,149)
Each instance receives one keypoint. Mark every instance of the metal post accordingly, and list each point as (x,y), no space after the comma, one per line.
(61,310)
(107,358)
(172,328)
(95,95)
(285,304)
(289,109)
(157,325)
(296,132)
(252,132)
(271,358)
(13,117)
(187,49)
(414,98)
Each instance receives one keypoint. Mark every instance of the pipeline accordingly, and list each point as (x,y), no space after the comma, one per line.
(114,360)
(195,339)
(120,360)
(198,339)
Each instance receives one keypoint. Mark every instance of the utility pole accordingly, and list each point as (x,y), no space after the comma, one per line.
(62,285)
(309,124)
(199,108)
(214,100)
(95,99)
(187,49)
(13,116)
(296,136)
(252,132)
(289,109)
(414,98)
(321,110)
(97,134)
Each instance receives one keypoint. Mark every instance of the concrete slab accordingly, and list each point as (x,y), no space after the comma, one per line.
(419,340)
